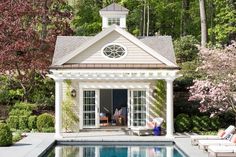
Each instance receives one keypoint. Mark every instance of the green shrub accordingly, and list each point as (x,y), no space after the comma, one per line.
(182,123)
(215,124)
(205,123)
(45,121)
(16,136)
(5,135)
(23,122)
(13,122)
(196,124)
(50,129)
(32,121)
(25,106)
(18,112)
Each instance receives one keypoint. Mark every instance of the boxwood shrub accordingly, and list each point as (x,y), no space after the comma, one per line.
(196,124)
(32,121)
(23,123)
(13,122)
(182,123)
(5,135)
(45,121)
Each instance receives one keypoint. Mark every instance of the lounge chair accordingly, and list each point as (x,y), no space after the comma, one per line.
(204,144)
(220,136)
(147,130)
(221,151)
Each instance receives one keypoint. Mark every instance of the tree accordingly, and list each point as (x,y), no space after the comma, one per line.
(224,28)
(215,91)
(27,38)
(87,20)
(203,23)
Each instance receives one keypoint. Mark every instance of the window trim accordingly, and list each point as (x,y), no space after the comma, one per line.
(117,19)
(109,44)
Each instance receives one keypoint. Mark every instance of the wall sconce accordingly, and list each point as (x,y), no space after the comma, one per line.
(154,93)
(73,93)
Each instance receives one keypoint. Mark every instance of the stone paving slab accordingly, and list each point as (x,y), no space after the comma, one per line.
(31,146)
(184,143)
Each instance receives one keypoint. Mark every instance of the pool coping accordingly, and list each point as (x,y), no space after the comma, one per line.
(36,145)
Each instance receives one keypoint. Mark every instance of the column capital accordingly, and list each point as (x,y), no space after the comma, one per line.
(58,79)
(169,79)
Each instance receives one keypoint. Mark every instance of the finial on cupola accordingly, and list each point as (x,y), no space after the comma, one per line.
(114,14)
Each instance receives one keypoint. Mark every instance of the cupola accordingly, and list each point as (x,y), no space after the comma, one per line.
(114,14)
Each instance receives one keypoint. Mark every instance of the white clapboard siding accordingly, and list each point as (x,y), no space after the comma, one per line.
(93,53)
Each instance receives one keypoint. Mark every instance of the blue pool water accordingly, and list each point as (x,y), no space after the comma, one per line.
(113,151)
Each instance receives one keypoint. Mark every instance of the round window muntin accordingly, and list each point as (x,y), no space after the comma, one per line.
(121,51)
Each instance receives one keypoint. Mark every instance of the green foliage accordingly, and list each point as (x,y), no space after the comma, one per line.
(215,124)
(160,97)
(50,129)
(32,122)
(16,136)
(187,58)
(196,124)
(70,118)
(182,123)
(17,112)
(43,92)
(23,123)
(13,122)
(10,90)
(45,121)
(186,49)
(205,124)
(25,106)
(87,20)
(224,26)
(5,135)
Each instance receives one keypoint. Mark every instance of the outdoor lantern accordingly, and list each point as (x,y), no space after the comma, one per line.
(73,93)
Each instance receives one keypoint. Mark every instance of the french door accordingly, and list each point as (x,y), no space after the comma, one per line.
(90,108)
(138,107)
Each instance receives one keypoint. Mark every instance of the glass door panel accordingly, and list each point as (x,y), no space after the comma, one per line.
(89,108)
(139,107)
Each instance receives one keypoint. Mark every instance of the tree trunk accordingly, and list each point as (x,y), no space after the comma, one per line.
(148,18)
(185,16)
(144,17)
(203,23)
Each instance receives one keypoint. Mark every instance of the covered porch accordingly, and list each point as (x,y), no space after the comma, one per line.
(136,82)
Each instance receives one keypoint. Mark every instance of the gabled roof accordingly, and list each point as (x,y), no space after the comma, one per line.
(66,44)
(136,41)
(114,7)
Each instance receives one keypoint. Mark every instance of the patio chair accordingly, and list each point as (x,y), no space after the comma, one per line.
(149,128)
(221,135)
(221,151)
(231,141)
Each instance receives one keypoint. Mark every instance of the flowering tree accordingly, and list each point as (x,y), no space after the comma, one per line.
(216,90)
(28,31)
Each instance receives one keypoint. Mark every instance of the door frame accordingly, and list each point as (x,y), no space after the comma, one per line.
(111,85)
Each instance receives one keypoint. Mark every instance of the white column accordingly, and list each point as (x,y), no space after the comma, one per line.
(58,107)
(169,108)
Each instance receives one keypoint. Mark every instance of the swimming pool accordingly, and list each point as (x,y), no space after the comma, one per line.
(114,151)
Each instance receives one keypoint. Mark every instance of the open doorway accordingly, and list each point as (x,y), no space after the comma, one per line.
(113,107)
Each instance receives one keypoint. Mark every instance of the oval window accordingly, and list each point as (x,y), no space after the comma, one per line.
(114,51)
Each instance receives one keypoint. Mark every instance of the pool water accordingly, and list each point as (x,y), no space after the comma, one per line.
(113,151)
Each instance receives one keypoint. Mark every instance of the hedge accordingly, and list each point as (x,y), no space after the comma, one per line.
(5,135)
